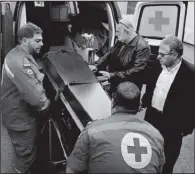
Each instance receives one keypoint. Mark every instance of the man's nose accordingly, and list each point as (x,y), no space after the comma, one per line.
(41,43)
(159,57)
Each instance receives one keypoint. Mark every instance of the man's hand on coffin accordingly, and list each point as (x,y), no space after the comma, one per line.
(53,103)
(93,68)
(47,110)
(105,74)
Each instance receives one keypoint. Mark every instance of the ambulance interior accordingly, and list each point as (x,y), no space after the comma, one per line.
(55,18)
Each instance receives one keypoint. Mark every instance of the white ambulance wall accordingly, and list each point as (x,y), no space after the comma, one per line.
(188,52)
(189,34)
(127,8)
(123,7)
(12,6)
(189,28)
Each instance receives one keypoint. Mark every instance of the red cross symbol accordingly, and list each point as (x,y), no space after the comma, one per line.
(137,149)
(158,21)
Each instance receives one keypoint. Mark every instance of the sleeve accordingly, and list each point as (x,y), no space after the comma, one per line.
(103,61)
(78,159)
(30,88)
(147,95)
(102,36)
(188,105)
(161,161)
(140,61)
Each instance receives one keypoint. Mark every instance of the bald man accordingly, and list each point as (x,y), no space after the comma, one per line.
(122,143)
(127,60)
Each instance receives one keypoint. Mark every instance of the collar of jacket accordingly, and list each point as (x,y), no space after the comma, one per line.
(26,54)
(134,41)
(132,112)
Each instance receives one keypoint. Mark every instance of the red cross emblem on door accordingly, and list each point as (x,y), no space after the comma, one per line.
(158,21)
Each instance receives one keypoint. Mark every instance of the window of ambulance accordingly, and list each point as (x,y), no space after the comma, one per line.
(157,21)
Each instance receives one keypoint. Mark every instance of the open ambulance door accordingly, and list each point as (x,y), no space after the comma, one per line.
(155,20)
(19,17)
(0,40)
(0,34)
(7,37)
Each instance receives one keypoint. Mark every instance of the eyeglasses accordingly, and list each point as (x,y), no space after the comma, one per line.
(163,55)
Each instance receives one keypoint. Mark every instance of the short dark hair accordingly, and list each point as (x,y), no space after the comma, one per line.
(28,30)
(127,95)
(175,44)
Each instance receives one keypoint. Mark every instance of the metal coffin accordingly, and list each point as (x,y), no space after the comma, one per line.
(82,98)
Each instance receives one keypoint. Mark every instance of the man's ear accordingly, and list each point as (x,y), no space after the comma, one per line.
(175,56)
(126,31)
(113,102)
(25,41)
(113,99)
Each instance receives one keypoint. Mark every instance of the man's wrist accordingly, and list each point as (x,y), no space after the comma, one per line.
(112,75)
(46,105)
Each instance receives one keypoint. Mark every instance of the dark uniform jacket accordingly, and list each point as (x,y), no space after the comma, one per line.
(121,143)
(21,90)
(126,61)
(178,112)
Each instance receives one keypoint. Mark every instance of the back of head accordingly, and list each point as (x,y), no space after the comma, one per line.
(127,95)
(176,45)
(28,30)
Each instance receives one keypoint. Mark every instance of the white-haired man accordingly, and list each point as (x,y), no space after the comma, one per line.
(127,59)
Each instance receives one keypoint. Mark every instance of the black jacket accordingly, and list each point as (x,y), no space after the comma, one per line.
(178,111)
(126,61)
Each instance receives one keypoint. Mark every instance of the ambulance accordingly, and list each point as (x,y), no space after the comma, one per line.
(52,17)
(155,20)
(84,99)
(71,86)
(152,20)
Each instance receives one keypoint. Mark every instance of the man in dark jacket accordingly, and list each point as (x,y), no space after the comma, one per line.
(169,99)
(127,59)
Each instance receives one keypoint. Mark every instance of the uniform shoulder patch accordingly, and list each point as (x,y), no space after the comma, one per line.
(26,62)
(136,150)
(27,66)
(29,72)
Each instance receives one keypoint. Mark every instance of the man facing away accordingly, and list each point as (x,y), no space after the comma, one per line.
(169,99)
(22,94)
(122,143)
